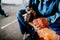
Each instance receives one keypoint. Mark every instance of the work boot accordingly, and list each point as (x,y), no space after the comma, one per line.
(5,15)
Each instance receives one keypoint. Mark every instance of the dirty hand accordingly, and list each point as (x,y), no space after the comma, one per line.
(41,23)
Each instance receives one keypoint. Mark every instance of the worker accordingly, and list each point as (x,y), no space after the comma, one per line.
(2,11)
(50,9)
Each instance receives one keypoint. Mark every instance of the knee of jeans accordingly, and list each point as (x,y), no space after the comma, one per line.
(22,11)
(19,13)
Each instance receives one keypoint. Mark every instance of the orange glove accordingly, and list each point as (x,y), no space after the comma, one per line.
(41,23)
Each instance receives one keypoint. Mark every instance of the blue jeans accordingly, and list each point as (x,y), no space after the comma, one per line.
(24,27)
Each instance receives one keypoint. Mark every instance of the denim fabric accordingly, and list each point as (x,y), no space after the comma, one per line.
(24,27)
(46,7)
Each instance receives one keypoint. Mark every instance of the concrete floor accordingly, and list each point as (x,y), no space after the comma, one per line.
(11,31)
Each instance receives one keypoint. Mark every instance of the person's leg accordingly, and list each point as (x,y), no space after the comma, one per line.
(24,27)
(2,12)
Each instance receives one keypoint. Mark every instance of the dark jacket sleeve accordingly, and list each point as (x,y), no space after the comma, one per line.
(0,4)
(30,3)
(37,2)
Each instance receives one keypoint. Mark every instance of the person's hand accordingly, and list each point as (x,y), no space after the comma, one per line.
(41,23)
(28,8)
